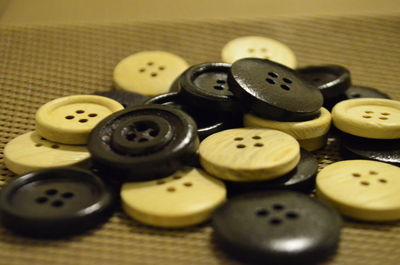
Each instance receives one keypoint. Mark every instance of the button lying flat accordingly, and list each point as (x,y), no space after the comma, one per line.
(185,198)
(249,154)
(258,47)
(149,73)
(29,152)
(70,119)
(362,189)
(368,117)
(55,202)
(277,228)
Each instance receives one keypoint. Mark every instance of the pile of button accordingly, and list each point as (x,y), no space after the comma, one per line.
(175,157)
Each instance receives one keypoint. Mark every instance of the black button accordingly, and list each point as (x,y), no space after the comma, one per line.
(277,227)
(301,178)
(127,99)
(55,202)
(364,92)
(273,91)
(143,142)
(353,147)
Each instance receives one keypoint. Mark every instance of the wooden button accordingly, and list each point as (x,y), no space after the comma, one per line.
(70,119)
(249,154)
(29,152)
(149,73)
(362,189)
(258,47)
(185,198)
(302,130)
(368,117)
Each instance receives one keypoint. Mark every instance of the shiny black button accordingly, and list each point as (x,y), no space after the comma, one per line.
(127,99)
(55,202)
(273,91)
(277,227)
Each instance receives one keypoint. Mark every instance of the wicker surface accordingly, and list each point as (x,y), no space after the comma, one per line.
(41,63)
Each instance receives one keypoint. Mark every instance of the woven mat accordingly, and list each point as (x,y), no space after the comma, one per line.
(40,63)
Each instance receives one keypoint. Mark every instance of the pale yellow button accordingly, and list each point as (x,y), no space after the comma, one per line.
(258,47)
(30,152)
(249,154)
(185,198)
(149,73)
(362,189)
(70,119)
(368,117)
(312,132)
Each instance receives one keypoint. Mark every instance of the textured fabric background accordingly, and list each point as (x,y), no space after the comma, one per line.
(41,63)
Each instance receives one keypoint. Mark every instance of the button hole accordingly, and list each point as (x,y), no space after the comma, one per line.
(92,115)
(286,80)
(160,182)
(292,215)
(285,87)
(218,87)
(269,80)
(262,213)
(382,180)
(250,50)
(38,145)
(161,68)
(240,146)
(256,137)
(238,139)
(153,74)
(171,189)
(220,81)
(51,192)
(69,117)
(278,207)
(373,172)
(258,145)
(150,63)
(275,221)
(385,113)
(355,95)
(142,70)
(357,175)
(57,203)
(272,74)
(367,117)
(176,177)
(188,184)
(67,195)
(83,120)
(41,200)
(383,118)
(80,111)
(368,111)
(55,146)
(365,183)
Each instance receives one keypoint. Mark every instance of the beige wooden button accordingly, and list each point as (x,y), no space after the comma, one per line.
(368,117)
(149,73)
(311,134)
(185,198)
(70,119)
(258,47)
(362,189)
(249,154)
(29,152)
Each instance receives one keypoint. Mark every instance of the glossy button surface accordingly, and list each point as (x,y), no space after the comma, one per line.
(362,189)
(127,99)
(258,47)
(249,154)
(277,228)
(70,119)
(185,198)
(368,117)
(149,72)
(29,152)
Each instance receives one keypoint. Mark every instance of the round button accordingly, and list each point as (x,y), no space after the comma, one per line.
(277,227)
(149,73)
(55,202)
(369,118)
(144,142)
(70,119)
(127,99)
(364,92)
(301,130)
(185,198)
(249,154)
(362,189)
(29,152)
(258,47)
(273,91)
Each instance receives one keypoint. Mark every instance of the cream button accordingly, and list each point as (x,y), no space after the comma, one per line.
(249,154)
(149,73)
(187,197)
(258,47)
(30,152)
(368,117)
(70,119)
(362,189)
(312,132)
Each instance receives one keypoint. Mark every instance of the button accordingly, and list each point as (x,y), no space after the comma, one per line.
(258,47)
(353,147)
(205,86)
(278,227)
(143,142)
(208,122)
(29,152)
(55,202)
(369,118)
(273,91)
(70,119)
(314,130)
(362,189)
(185,198)
(364,92)
(301,178)
(249,154)
(149,73)
(125,98)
